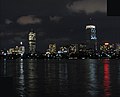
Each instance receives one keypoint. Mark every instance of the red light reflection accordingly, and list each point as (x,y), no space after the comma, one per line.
(106,79)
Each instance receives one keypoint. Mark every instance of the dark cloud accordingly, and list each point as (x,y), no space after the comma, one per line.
(41,34)
(39,7)
(55,18)
(30,19)
(88,6)
(8,21)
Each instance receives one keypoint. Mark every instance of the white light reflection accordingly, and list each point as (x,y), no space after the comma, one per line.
(92,80)
(21,79)
(63,79)
(50,78)
(32,78)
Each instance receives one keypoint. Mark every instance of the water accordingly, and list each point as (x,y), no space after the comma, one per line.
(64,78)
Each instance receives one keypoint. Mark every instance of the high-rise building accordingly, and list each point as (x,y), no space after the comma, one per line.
(32,42)
(91,37)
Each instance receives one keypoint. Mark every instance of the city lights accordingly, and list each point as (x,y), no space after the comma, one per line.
(89,49)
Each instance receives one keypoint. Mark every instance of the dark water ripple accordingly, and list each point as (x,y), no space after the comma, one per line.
(64,78)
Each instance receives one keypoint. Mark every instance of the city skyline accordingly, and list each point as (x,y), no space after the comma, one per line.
(59,48)
(55,21)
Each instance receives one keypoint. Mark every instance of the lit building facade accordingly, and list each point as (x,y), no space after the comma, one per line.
(10,51)
(32,42)
(21,49)
(73,48)
(82,47)
(63,49)
(52,48)
(107,47)
(17,50)
(91,37)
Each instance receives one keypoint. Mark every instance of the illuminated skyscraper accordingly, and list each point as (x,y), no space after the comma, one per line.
(91,37)
(32,42)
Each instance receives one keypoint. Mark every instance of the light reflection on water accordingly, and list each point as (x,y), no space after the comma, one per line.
(107,92)
(31,78)
(92,77)
(50,78)
(64,78)
(20,79)
(56,79)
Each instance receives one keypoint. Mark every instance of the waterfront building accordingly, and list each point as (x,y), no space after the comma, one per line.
(17,49)
(73,48)
(82,47)
(10,51)
(107,47)
(63,49)
(52,48)
(21,49)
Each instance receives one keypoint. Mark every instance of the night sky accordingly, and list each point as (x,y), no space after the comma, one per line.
(55,21)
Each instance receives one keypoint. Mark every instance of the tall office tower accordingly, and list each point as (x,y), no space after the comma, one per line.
(91,37)
(32,42)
